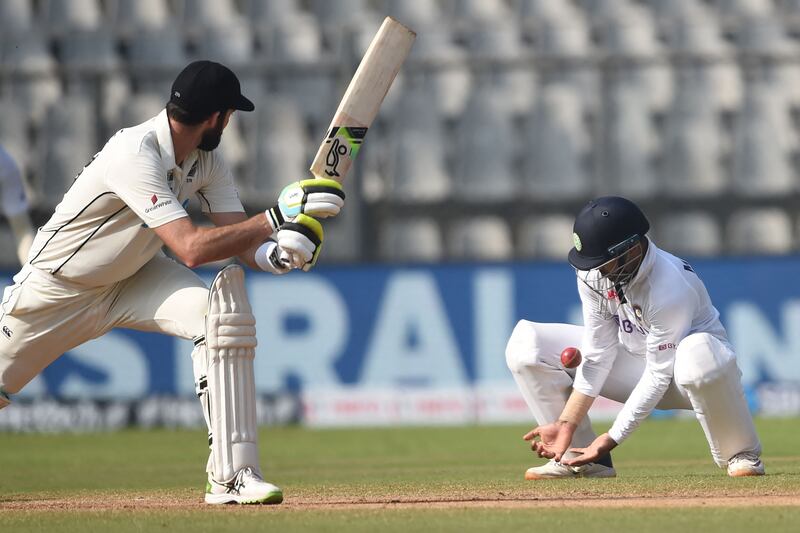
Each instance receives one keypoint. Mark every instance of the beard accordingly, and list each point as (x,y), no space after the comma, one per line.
(212,137)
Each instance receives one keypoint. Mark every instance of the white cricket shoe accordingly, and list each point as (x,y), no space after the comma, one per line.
(555,470)
(247,487)
(745,464)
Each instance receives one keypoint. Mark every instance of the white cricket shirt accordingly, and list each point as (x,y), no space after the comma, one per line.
(101,232)
(664,303)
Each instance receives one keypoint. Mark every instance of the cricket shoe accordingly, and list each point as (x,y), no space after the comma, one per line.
(745,464)
(247,487)
(555,470)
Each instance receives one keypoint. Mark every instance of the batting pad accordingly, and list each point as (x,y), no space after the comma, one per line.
(231,397)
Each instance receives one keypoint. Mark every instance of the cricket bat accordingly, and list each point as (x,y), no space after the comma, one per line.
(359,106)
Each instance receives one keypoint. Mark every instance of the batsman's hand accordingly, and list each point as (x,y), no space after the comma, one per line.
(553,440)
(300,240)
(317,197)
(597,449)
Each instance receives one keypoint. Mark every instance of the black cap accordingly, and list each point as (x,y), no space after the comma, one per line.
(605,228)
(204,87)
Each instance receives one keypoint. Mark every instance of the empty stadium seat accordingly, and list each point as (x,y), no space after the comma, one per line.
(88,50)
(514,83)
(16,15)
(416,152)
(157,49)
(131,16)
(692,146)
(532,11)
(63,16)
(199,15)
(453,82)
(707,59)
(280,149)
(413,14)
(567,43)
(36,86)
(411,239)
(764,142)
(734,10)
(633,40)
(472,12)
(693,234)
(485,146)
(760,231)
(14,133)
(68,142)
(142,106)
(271,13)
(8,242)
(229,45)
(313,89)
(548,237)
(556,146)
(233,145)
(480,238)
(631,145)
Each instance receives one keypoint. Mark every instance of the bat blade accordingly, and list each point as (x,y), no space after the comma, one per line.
(362,99)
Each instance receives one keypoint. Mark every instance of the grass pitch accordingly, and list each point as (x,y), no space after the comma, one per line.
(429,479)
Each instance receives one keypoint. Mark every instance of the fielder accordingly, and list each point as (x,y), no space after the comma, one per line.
(651,339)
(97,265)
(14,204)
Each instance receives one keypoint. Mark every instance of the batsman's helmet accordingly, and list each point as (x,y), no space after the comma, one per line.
(604,229)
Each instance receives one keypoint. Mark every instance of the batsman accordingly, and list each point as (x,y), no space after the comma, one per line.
(651,339)
(98,264)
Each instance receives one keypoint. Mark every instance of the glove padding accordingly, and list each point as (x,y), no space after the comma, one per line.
(301,241)
(318,197)
(268,258)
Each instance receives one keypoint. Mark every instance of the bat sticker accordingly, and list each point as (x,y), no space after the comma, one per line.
(343,141)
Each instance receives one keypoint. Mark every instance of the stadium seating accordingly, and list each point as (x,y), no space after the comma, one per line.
(556,146)
(765,231)
(482,238)
(501,101)
(546,237)
(694,234)
(411,239)
(485,144)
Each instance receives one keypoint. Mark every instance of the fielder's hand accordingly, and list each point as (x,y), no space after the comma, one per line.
(318,197)
(301,241)
(597,449)
(553,440)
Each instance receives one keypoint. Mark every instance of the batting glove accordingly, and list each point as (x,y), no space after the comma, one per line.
(301,242)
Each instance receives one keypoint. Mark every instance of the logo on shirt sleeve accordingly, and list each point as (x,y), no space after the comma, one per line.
(157,204)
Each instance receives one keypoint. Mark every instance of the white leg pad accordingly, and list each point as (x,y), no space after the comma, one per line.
(533,354)
(225,379)
(706,368)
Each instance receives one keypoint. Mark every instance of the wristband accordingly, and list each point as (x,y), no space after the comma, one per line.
(274,218)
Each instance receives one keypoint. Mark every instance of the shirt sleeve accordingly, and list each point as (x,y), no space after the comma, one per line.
(141,183)
(218,194)
(669,322)
(599,347)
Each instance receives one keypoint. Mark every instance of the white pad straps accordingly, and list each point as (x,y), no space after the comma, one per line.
(230,347)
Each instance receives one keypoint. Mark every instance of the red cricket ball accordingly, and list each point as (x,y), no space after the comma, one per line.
(570,357)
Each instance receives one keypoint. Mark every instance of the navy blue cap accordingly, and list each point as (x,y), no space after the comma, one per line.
(204,87)
(605,228)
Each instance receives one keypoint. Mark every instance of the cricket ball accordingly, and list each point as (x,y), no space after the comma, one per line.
(570,357)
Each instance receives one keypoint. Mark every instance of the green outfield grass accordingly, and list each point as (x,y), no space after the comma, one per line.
(468,478)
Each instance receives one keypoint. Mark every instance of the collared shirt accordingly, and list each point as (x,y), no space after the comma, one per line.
(101,232)
(664,303)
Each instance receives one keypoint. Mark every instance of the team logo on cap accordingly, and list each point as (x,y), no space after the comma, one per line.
(577,241)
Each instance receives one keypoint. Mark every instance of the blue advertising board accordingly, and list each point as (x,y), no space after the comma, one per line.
(441,327)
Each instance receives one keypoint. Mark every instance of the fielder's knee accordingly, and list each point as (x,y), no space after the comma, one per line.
(522,348)
(701,358)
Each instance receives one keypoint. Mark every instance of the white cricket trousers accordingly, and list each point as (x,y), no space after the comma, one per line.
(706,380)
(43,316)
